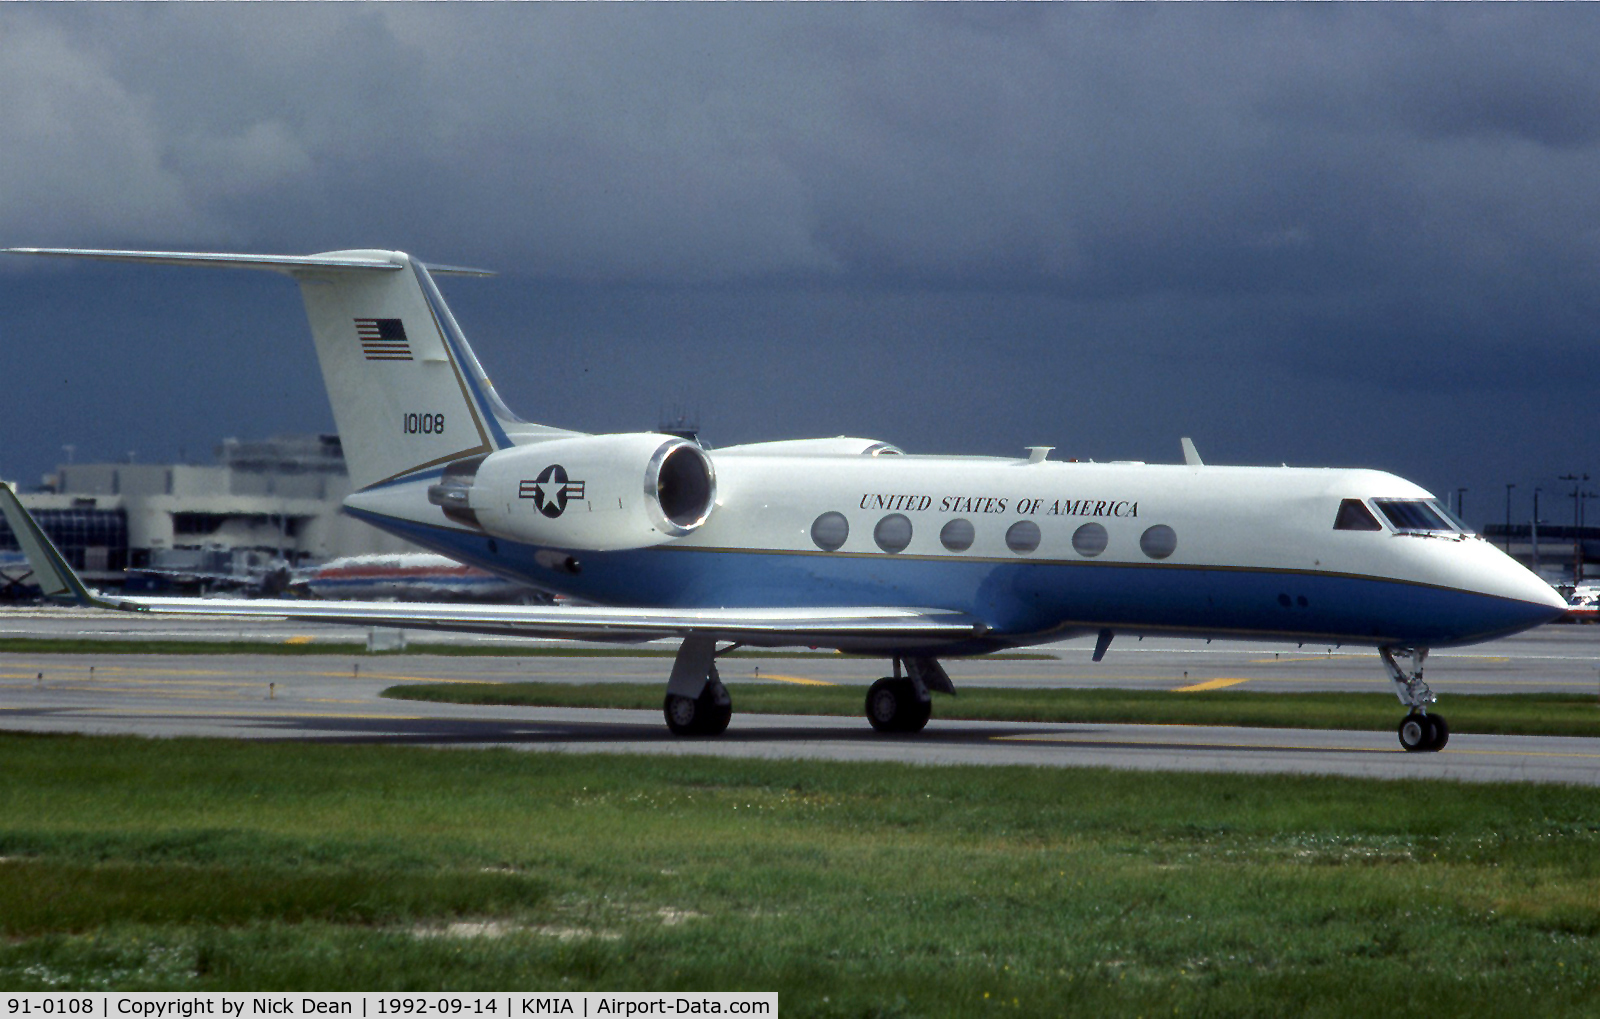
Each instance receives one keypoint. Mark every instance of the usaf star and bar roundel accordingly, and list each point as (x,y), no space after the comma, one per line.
(551,490)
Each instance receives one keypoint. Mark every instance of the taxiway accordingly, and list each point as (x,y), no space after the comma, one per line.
(336,697)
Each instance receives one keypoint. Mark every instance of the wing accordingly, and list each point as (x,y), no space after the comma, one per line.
(851,628)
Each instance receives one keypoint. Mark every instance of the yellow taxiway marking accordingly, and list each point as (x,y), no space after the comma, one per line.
(419,679)
(137,673)
(803,681)
(1210,684)
(1116,743)
(387,677)
(299,640)
(265,713)
(219,691)
(1522,753)
(1453,751)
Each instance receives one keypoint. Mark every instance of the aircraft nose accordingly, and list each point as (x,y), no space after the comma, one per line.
(1553,598)
(1542,602)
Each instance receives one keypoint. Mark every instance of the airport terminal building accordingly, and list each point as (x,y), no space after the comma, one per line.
(262,504)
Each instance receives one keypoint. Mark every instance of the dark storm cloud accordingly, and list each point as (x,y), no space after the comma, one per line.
(1241,217)
(1096,151)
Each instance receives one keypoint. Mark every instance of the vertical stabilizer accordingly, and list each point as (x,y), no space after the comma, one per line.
(406,390)
(408,394)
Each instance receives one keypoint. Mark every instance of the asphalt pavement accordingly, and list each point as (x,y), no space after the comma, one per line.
(336,697)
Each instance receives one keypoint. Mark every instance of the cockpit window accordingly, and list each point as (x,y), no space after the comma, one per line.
(1417,515)
(1354,516)
(1454,520)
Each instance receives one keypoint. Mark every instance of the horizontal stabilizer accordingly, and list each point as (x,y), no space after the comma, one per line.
(281,263)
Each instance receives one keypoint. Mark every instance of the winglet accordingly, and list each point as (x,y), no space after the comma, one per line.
(55,577)
(1191,456)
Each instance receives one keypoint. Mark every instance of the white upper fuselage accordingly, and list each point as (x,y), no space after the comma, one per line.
(1218,551)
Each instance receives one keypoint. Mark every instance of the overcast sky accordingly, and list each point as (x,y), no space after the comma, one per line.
(1329,236)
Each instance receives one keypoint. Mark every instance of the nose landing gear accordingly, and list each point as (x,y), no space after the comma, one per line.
(1419,730)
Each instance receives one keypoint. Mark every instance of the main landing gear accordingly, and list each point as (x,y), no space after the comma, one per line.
(1420,731)
(705,715)
(903,704)
(698,704)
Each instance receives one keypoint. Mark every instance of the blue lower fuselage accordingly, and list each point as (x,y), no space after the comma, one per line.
(1021,601)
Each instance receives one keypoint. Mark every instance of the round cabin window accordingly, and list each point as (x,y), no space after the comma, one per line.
(957,535)
(1022,536)
(830,530)
(1090,540)
(1159,541)
(893,533)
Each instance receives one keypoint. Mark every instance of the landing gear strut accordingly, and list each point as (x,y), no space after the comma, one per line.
(1420,731)
(697,703)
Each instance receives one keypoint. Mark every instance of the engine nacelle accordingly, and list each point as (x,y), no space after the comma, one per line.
(590,492)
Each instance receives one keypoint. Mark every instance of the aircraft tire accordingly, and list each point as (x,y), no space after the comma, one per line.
(682,713)
(918,716)
(706,715)
(883,705)
(893,706)
(1416,733)
(715,709)
(1440,732)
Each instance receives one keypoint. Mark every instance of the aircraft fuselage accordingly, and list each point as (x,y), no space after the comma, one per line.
(1032,549)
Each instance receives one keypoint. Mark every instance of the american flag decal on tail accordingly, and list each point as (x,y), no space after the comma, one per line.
(383,339)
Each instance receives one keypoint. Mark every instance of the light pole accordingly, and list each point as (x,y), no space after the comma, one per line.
(1535,528)
(1583,501)
(1460,513)
(1577,524)
(1509,486)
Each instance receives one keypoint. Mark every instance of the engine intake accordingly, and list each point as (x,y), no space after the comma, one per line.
(683,486)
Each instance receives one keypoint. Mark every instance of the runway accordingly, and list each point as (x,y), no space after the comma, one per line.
(336,697)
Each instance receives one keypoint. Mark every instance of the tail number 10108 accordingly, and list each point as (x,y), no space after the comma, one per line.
(424,424)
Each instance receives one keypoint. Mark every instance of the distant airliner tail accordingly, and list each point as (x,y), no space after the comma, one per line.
(51,571)
(408,394)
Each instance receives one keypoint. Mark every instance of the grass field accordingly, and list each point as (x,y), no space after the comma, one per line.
(1544,714)
(852,889)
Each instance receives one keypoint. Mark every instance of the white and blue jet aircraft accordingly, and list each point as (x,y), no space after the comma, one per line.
(842,543)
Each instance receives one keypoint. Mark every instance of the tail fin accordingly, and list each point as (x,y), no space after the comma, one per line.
(51,570)
(407,392)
